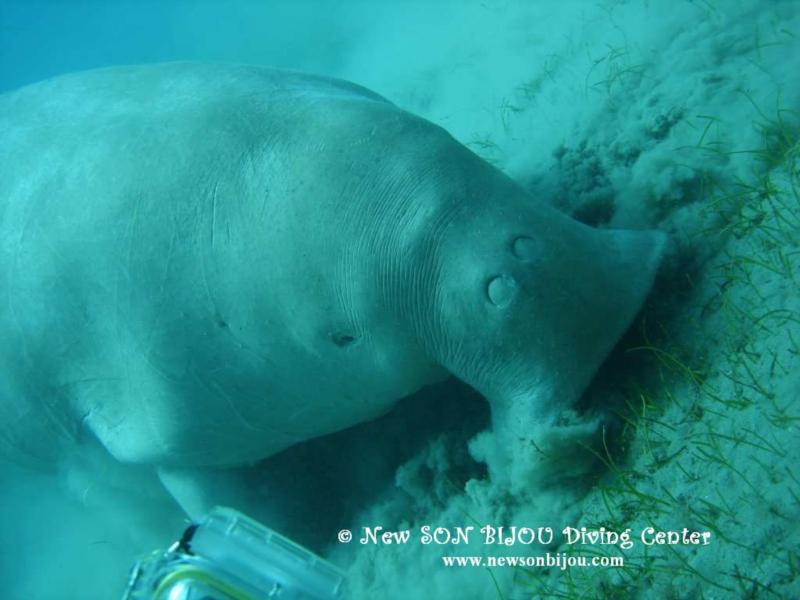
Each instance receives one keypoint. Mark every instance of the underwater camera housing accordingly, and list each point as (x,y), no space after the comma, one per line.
(229,556)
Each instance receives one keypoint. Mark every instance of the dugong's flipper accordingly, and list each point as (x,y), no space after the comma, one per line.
(198,490)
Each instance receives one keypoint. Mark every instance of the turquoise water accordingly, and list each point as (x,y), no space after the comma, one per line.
(552,356)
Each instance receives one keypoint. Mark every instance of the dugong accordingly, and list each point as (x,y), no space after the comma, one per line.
(203,264)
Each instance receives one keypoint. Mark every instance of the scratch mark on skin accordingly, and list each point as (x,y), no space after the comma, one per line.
(85,494)
(122,272)
(164,277)
(168,261)
(214,213)
(128,274)
(264,205)
(212,304)
(161,372)
(204,269)
(220,392)
(142,403)
(14,274)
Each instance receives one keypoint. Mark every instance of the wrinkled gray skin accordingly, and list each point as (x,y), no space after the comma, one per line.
(204,264)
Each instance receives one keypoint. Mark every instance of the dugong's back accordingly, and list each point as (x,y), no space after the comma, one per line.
(118,191)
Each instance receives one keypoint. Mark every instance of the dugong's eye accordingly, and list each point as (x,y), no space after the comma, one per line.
(342,339)
(524,248)
(501,290)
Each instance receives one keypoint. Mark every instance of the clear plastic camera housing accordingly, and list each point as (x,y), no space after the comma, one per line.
(229,556)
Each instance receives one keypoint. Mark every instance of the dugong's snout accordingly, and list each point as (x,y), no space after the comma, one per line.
(540,303)
(589,307)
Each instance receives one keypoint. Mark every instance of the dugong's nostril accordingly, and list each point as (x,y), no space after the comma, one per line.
(524,248)
(501,290)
